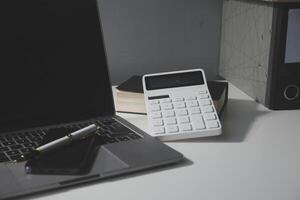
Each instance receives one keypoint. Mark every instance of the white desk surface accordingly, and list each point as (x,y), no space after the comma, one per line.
(257,158)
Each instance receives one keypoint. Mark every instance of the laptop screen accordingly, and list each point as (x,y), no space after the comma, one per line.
(52,63)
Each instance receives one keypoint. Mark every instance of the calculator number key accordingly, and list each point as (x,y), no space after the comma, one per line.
(208,109)
(193,103)
(212,124)
(166,106)
(155,107)
(156,115)
(183,120)
(198,122)
(170,121)
(179,104)
(203,96)
(194,111)
(181,112)
(185,127)
(172,129)
(169,113)
(205,102)
(210,116)
(157,122)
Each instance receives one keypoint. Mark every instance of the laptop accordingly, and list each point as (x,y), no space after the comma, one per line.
(54,74)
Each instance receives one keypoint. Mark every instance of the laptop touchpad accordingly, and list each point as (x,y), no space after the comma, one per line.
(107,162)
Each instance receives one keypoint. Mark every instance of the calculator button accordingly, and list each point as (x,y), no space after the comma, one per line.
(178,99)
(212,124)
(205,102)
(181,112)
(210,116)
(167,106)
(156,115)
(197,122)
(179,104)
(165,101)
(172,129)
(191,98)
(203,96)
(194,111)
(157,122)
(158,130)
(169,113)
(208,109)
(155,108)
(183,120)
(170,121)
(202,92)
(154,101)
(185,127)
(193,103)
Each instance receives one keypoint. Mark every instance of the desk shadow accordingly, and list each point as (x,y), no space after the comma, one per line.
(236,120)
(184,163)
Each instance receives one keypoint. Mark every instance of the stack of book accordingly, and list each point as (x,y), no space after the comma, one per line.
(130,97)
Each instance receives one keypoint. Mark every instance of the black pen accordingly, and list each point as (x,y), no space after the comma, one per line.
(77,135)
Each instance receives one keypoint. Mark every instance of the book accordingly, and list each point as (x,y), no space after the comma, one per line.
(130,97)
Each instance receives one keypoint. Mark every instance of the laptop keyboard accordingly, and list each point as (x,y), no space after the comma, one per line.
(12,146)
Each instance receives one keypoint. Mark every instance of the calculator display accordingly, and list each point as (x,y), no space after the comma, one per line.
(174,80)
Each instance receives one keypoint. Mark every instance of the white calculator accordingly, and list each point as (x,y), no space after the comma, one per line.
(179,105)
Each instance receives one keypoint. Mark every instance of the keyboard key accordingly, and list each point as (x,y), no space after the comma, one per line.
(179,105)
(212,124)
(13,153)
(203,96)
(166,106)
(26,150)
(157,122)
(9,143)
(154,101)
(22,141)
(208,109)
(13,147)
(192,103)
(158,130)
(181,112)
(178,99)
(197,122)
(191,98)
(15,157)
(195,110)
(156,115)
(29,145)
(205,102)
(170,121)
(183,120)
(169,113)
(202,91)
(172,129)
(2,149)
(185,127)
(155,108)
(165,101)
(210,116)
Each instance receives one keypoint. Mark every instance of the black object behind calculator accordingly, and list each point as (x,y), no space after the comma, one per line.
(75,158)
